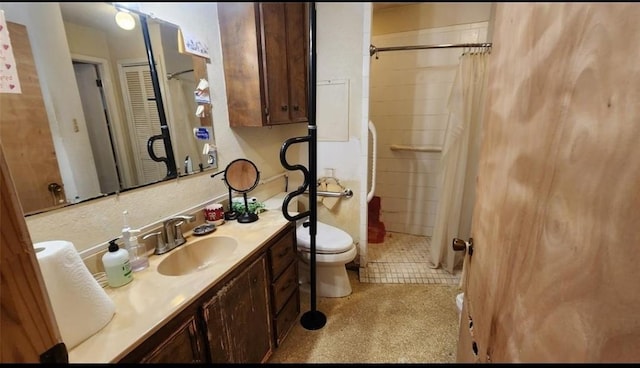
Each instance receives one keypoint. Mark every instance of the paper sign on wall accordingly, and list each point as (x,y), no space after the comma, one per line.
(333,113)
(9,82)
(188,43)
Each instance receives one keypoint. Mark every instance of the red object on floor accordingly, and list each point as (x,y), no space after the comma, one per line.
(375,227)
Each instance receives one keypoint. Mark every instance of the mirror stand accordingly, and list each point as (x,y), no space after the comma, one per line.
(247,217)
(241,176)
(231,214)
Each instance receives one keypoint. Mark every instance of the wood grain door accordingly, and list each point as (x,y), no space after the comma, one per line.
(28,329)
(554,275)
(25,133)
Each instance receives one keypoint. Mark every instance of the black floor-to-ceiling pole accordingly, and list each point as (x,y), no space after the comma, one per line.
(169,160)
(313,319)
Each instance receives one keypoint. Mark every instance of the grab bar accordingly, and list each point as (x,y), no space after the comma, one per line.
(374,136)
(345,193)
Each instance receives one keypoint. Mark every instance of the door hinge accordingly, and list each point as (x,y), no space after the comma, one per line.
(99,83)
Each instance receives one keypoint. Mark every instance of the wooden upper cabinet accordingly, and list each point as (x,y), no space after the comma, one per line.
(265,51)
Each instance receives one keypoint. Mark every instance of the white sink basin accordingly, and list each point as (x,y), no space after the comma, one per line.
(197,255)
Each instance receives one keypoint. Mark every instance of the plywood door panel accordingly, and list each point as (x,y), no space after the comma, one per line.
(554,273)
(28,330)
(25,133)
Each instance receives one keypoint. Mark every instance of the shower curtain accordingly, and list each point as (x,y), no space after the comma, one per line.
(459,160)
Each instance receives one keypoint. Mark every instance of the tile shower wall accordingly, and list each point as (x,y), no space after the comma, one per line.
(409,92)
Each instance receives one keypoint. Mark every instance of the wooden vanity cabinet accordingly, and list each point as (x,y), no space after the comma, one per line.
(179,341)
(265,51)
(237,319)
(241,319)
(285,292)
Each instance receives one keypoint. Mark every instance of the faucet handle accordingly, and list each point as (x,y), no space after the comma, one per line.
(178,231)
(161,246)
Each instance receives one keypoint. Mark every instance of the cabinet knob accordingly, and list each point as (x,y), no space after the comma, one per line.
(284,107)
(296,107)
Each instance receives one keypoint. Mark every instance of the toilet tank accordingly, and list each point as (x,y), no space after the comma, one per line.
(275,203)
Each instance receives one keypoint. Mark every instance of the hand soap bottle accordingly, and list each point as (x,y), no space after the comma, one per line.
(137,255)
(117,266)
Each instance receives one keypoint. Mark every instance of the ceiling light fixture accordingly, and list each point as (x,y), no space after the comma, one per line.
(125,20)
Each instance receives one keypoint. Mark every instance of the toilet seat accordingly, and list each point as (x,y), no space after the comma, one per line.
(329,239)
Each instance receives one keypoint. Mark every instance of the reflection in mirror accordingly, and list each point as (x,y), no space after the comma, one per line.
(242,176)
(101,128)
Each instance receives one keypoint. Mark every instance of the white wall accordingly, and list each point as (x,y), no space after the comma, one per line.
(408,104)
(417,16)
(343,31)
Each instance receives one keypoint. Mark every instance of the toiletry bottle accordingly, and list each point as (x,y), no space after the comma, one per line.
(116,265)
(137,255)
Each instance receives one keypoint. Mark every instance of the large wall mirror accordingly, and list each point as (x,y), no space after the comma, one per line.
(104,121)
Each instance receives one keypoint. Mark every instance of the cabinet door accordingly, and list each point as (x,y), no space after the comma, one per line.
(298,59)
(242,64)
(272,19)
(238,320)
(183,346)
(219,351)
(246,310)
(285,32)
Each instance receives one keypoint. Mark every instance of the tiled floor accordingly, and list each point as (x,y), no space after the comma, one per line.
(404,259)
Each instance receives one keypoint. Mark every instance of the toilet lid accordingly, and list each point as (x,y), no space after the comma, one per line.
(329,239)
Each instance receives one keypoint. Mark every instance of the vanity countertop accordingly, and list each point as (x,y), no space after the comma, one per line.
(151,299)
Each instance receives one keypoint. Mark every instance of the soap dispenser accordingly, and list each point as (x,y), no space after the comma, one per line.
(137,255)
(117,266)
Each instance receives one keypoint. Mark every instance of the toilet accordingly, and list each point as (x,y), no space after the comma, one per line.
(334,249)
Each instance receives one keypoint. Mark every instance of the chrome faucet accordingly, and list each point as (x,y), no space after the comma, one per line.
(173,236)
(170,236)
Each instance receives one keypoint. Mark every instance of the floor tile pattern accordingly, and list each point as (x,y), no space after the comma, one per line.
(404,259)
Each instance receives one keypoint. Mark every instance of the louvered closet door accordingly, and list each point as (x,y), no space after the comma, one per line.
(144,122)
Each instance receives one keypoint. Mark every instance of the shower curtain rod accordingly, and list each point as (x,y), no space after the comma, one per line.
(374,50)
(171,75)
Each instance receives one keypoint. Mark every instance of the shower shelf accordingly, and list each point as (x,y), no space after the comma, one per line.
(398,147)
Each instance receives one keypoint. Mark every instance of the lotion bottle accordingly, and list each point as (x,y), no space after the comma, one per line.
(137,254)
(117,266)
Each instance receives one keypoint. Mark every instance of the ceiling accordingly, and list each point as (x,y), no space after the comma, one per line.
(99,15)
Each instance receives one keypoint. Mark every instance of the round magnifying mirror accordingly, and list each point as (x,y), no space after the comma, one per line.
(242,176)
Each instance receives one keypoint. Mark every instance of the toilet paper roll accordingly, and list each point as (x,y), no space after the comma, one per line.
(80,305)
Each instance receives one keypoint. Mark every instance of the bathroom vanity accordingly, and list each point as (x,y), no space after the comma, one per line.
(234,310)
